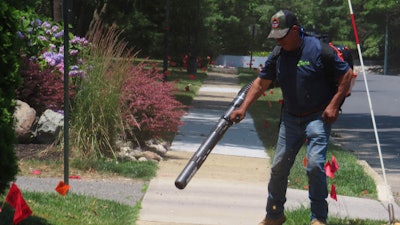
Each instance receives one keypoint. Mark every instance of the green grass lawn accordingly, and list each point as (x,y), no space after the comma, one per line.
(54,209)
(301,217)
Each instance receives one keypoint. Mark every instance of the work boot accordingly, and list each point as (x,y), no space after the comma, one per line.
(317,222)
(268,221)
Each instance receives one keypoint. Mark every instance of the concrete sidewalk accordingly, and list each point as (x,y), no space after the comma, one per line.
(231,186)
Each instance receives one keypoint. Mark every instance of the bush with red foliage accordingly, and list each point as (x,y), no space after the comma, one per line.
(41,89)
(149,106)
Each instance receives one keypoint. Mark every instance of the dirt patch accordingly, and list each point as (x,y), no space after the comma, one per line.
(37,152)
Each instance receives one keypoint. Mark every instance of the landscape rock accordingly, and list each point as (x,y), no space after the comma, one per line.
(24,117)
(151,156)
(157,146)
(49,127)
(127,153)
(142,159)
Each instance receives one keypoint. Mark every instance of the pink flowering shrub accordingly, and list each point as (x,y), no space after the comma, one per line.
(42,89)
(149,107)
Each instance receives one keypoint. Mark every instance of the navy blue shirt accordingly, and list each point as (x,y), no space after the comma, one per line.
(305,84)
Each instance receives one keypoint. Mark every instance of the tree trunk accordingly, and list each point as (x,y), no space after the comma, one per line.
(57,9)
(193,39)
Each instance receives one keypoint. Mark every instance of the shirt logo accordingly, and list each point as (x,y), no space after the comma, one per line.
(303,63)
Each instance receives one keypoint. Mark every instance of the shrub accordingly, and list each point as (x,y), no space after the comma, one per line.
(43,73)
(148,105)
(44,44)
(42,89)
(8,83)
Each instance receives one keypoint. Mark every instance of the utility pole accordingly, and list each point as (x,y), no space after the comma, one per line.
(66,91)
(166,38)
(193,36)
(253,33)
(385,64)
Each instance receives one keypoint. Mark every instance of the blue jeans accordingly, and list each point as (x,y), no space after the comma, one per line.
(292,135)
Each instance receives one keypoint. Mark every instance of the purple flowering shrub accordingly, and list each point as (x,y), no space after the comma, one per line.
(43,73)
(43,89)
(44,44)
(149,107)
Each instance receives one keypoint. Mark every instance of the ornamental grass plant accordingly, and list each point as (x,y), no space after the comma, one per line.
(96,121)
(120,100)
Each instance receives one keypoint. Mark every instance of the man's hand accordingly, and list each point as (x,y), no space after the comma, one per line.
(257,88)
(237,115)
(330,114)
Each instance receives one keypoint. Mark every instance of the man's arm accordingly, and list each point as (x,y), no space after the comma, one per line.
(258,87)
(331,112)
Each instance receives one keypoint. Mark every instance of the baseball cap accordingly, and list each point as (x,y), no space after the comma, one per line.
(281,22)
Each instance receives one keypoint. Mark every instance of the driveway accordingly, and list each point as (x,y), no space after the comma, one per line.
(354,128)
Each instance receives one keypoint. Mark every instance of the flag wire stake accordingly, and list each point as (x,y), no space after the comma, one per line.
(390,205)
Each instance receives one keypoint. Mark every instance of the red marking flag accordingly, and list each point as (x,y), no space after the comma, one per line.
(15,200)
(333,192)
(331,168)
(22,210)
(36,172)
(328,170)
(335,164)
(266,124)
(269,104)
(12,195)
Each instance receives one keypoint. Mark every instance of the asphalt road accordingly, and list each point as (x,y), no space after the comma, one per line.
(354,128)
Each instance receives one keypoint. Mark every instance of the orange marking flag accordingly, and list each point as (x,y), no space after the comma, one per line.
(305,161)
(62,188)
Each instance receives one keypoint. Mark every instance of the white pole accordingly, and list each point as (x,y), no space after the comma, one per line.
(370,107)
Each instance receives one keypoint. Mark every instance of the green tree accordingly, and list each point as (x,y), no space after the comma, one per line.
(141,22)
(214,27)
(372,18)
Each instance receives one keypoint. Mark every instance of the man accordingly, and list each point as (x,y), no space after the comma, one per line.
(310,107)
